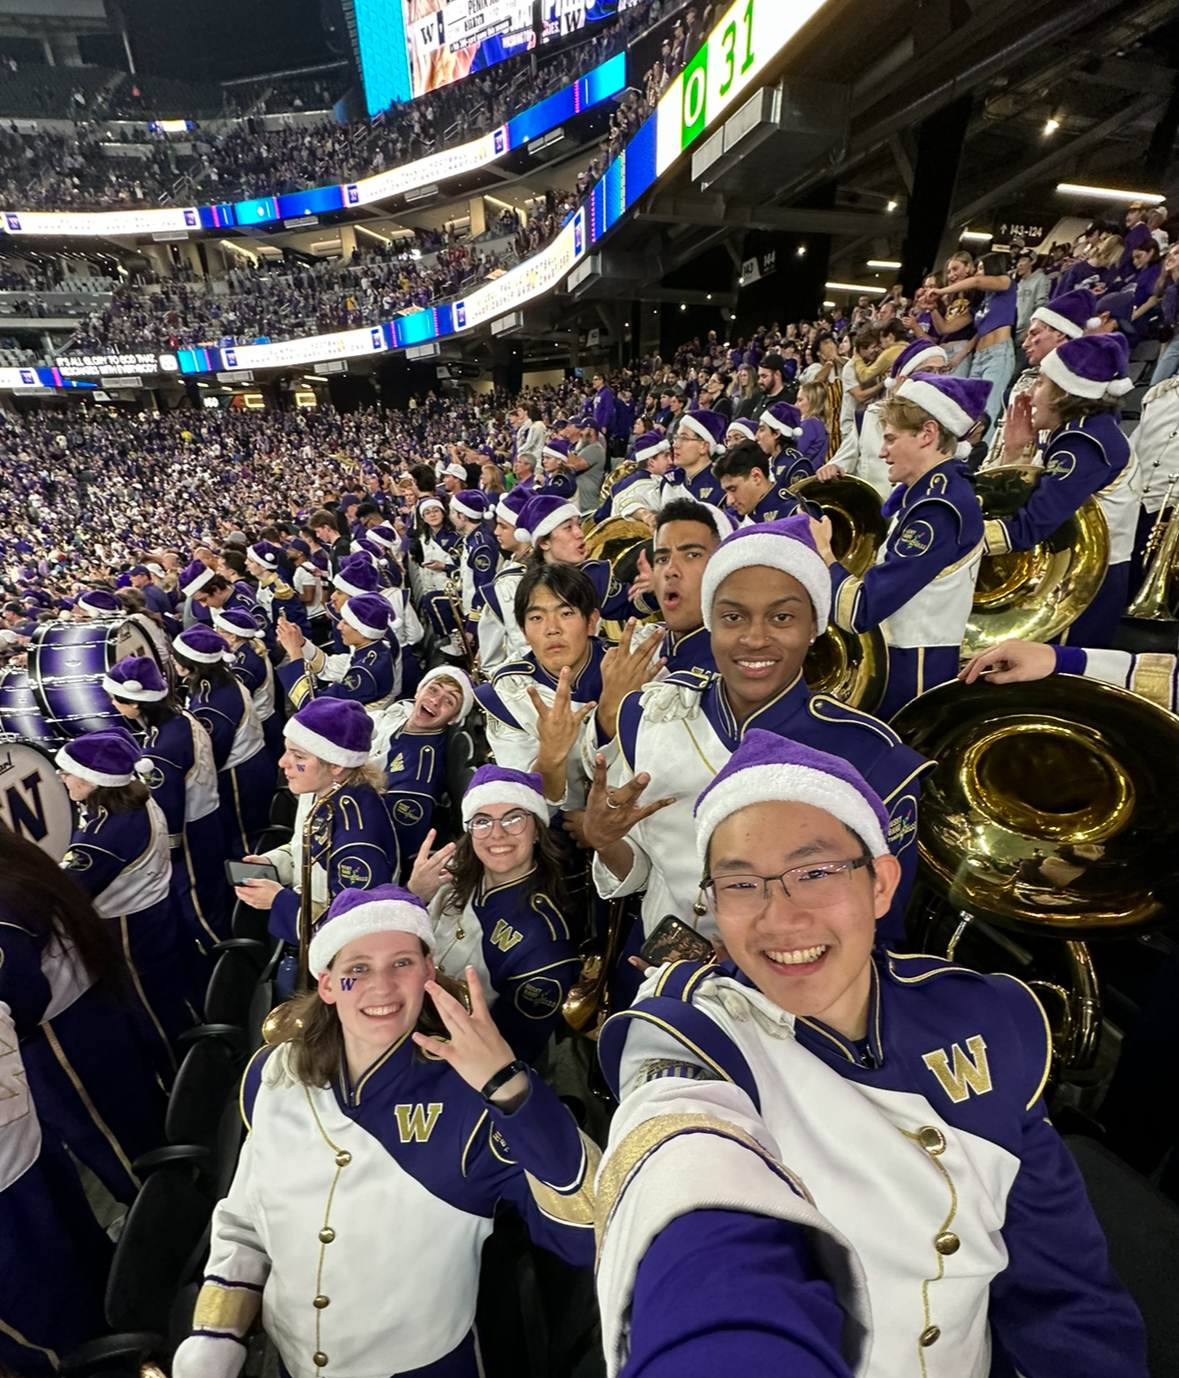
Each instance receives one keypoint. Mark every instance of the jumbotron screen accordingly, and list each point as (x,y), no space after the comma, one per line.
(409,47)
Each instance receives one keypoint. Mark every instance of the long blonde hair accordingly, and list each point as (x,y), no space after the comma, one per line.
(818,405)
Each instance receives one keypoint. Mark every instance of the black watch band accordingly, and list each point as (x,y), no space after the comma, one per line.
(502,1077)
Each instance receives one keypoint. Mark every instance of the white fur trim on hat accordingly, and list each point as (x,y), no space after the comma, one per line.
(322,747)
(182,648)
(767,418)
(776,552)
(341,583)
(1054,367)
(549,524)
(460,678)
(944,410)
(555,454)
(64,761)
(232,628)
(373,633)
(504,513)
(714,447)
(793,784)
(431,502)
(650,451)
(924,356)
(506,793)
(1055,321)
(472,513)
(132,689)
(382,916)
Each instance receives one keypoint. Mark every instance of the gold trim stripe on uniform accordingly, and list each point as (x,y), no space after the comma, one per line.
(570,1207)
(221,1307)
(138,984)
(84,1096)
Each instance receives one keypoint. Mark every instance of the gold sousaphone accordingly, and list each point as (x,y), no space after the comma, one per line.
(1033,595)
(850,667)
(1050,816)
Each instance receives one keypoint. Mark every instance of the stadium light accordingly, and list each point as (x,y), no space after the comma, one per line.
(976,236)
(1110,193)
(853,287)
(1050,127)
(883,263)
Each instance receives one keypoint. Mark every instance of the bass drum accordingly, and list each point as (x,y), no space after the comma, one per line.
(19,714)
(67,661)
(33,800)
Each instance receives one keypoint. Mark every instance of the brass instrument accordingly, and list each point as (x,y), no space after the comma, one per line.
(609,483)
(1048,822)
(307,915)
(1033,595)
(1156,597)
(587,1006)
(470,652)
(618,541)
(852,667)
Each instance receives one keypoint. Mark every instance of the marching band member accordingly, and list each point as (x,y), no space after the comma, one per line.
(686,534)
(559,480)
(652,453)
(61,970)
(1066,317)
(98,604)
(765,597)
(557,682)
(432,546)
(119,856)
(906,1093)
(204,589)
(1153,675)
(863,458)
(222,704)
(755,489)
(341,809)
(276,597)
(243,635)
(699,438)
(496,901)
(365,671)
(552,527)
(1156,451)
(409,747)
(778,429)
(499,636)
(405,627)
(921,588)
(346,1112)
(183,782)
(741,428)
(1076,399)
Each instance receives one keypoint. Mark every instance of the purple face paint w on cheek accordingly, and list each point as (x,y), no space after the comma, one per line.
(347,982)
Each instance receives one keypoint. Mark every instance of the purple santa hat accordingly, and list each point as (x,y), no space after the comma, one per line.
(954,403)
(1093,366)
(265,554)
(338,731)
(137,678)
(107,757)
(99,603)
(767,767)
(384,537)
(194,578)
(201,645)
(356,576)
(784,418)
(472,503)
(915,358)
(499,785)
(236,621)
(542,514)
(1071,313)
(357,914)
(557,447)
(649,445)
(509,508)
(369,614)
(786,544)
(745,426)
(708,425)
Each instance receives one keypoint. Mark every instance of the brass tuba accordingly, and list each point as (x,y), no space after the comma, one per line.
(1033,595)
(852,667)
(1049,822)
(618,541)
(609,483)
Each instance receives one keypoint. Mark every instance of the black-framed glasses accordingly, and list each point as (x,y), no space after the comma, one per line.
(817,886)
(513,824)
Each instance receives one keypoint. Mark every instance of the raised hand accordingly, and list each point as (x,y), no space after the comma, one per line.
(290,637)
(1018,430)
(430,871)
(625,667)
(476,1049)
(611,813)
(644,580)
(558,727)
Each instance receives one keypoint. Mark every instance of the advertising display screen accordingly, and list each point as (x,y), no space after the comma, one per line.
(447,40)
(559,18)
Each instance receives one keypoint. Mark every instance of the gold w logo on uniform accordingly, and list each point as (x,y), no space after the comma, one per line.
(415,1123)
(965,1075)
(396,764)
(504,936)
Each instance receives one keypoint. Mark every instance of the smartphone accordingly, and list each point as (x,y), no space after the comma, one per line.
(238,872)
(674,941)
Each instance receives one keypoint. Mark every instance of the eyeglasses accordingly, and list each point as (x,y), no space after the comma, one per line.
(812,887)
(512,823)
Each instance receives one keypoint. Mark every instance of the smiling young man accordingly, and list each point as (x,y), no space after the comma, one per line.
(814,1107)
(557,610)
(921,589)
(765,597)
